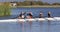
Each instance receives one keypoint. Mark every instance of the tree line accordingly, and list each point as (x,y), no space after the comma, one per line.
(26,3)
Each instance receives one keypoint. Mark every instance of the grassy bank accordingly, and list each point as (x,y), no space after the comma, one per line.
(47,6)
(4,10)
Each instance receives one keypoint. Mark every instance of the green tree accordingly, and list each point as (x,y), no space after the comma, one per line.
(46,3)
(56,4)
(40,3)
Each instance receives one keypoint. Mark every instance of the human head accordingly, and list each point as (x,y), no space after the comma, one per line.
(49,12)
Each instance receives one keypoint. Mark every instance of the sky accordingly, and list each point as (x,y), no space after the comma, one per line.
(49,1)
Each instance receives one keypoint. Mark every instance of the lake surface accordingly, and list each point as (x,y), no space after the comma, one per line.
(36,26)
(36,11)
(55,12)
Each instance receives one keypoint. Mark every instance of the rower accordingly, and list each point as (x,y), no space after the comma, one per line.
(29,15)
(41,15)
(49,14)
(22,15)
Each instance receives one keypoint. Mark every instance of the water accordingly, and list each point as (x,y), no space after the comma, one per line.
(43,26)
(55,12)
(37,26)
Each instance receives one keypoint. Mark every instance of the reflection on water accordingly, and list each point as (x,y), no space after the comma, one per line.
(35,26)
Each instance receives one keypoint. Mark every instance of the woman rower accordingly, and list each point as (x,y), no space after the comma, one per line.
(29,15)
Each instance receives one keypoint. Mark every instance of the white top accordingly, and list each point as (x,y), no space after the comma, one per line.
(23,16)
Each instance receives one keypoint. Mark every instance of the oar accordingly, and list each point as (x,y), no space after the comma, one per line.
(15,17)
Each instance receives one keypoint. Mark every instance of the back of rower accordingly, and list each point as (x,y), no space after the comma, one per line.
(22,15)
(29,15)
(41,15)
(49,14)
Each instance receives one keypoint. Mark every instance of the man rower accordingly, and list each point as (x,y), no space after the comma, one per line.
(22,15)
(49,14)
(41,15)
(29,15)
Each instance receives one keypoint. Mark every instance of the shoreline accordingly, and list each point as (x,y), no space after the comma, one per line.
(42,6)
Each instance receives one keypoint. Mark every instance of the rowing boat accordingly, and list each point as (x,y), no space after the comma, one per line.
(33,19)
